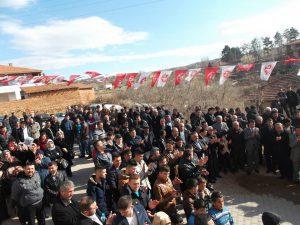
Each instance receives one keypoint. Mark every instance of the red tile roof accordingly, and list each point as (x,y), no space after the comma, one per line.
(55,87)
(12,70)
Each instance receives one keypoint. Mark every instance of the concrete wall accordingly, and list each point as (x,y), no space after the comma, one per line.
(10,93)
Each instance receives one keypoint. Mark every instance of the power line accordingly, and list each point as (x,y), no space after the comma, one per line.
(61,7)
(107,11)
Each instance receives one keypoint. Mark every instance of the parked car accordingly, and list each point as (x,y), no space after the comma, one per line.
(107,106)
(60,116)
(40,118)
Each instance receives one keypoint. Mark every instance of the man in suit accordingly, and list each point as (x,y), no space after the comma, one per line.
(129,214)
(88,216)
(252,142)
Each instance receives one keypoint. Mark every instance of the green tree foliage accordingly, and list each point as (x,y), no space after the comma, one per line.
(255,48)
(278,43)
(267,46)
(246,48)
(231,55)
(290,34)
(278,40)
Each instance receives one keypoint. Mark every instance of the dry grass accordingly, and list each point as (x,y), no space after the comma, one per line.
(184,96)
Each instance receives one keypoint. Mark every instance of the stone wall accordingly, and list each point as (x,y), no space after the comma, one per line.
(48,102)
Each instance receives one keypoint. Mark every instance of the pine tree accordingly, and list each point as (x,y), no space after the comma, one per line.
(267,46)
(278,40)
(290,34)
(226,54)
(294,33)
(255,48)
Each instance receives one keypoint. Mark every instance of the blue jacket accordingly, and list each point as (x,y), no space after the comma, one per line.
(191,220)
(222,217)
(141,214)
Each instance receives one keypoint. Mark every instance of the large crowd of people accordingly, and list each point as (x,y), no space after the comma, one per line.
(148,161)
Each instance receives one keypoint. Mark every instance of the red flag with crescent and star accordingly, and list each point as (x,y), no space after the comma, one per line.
(179,75)
(210,72)
(118,80)
(155,76)
(130,79)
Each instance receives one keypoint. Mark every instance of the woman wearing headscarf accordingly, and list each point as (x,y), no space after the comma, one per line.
(55,154)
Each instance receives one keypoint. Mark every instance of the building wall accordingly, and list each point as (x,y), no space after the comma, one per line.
(87,95)
(4,97)
(10,93)
(48,102)
(296,50)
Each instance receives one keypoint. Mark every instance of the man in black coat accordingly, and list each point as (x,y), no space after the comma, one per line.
(13,120)
(52,182)
(189,169)
(88,216)
(97,189)
(196,118)
(112,180)
(282,151)
(210,117)
(292,101)
(17,133)
(138,194)
(283,101)
(136,214)
(65,210)
(148,137)
(267,133)
(237,146)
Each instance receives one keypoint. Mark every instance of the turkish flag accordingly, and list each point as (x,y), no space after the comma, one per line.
(58,79)
(8,79)
(142,79)
(155,77)
(287,61)
(37,79)
(163,78)
(244,67)
(72,79)
(210,72)
(130,79)
(48,78)
(225,73)
(23,79)
(118,80)
(192,73)
(266,70)
(179,75)
(93,74)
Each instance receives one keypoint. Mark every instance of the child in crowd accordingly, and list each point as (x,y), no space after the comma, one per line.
(219,213)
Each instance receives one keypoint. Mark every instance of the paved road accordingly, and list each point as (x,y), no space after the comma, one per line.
(246,207)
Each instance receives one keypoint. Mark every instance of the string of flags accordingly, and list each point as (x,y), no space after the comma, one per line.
(158,78)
